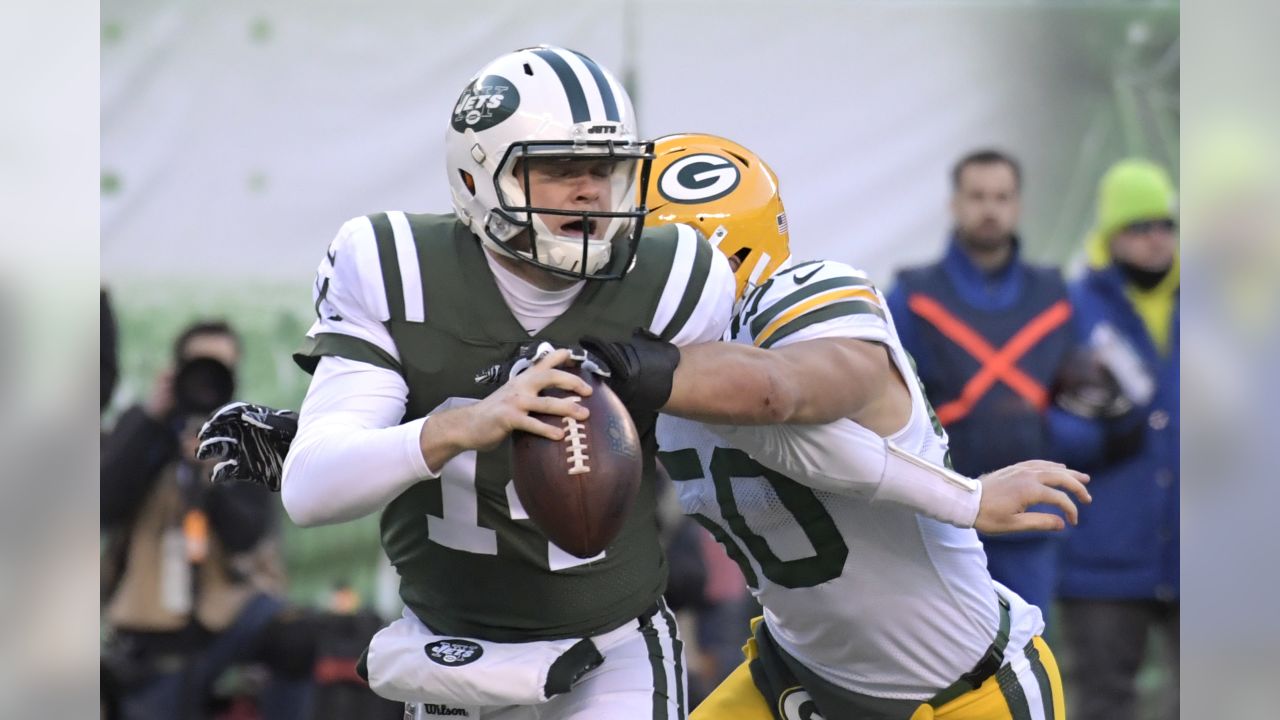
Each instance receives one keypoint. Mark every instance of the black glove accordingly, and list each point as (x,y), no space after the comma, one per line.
(1086,387)
(250,440)
(529,353)
(640,371)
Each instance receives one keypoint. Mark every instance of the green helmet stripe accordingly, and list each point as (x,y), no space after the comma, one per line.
(569,79)
(602,83)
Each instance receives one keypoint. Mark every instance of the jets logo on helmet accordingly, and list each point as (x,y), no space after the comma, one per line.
(485,103)
(698,178)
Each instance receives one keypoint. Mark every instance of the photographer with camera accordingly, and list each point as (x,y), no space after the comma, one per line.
(192,575)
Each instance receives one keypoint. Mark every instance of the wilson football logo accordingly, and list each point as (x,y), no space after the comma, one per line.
(485,103)
(698,178)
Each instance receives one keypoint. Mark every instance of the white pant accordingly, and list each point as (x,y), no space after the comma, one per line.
(643,667)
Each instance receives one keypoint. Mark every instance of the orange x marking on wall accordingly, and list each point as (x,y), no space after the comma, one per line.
(997,365)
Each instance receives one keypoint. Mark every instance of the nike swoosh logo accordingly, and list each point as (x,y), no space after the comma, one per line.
(800,280)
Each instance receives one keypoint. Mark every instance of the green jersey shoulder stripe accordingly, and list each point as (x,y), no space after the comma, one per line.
(390,263)
(410,271)
(835,310)
(398,258)
(689,271)
(800,295)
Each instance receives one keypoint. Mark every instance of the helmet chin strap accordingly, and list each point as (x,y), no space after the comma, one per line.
(565,252)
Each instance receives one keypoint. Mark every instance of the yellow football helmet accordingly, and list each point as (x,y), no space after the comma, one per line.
(728,193)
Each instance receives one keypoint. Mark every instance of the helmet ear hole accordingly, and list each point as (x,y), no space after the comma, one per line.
(467,180)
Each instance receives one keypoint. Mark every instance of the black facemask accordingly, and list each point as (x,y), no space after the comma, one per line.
(1144,279)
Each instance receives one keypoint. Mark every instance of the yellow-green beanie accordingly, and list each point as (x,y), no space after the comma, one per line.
(1133,190)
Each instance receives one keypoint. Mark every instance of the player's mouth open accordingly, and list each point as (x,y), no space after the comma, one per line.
(575,228)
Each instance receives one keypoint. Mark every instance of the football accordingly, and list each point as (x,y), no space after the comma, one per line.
(579,490)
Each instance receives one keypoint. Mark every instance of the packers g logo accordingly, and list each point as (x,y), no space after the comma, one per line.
(485,103)
(698,178)
(796,704)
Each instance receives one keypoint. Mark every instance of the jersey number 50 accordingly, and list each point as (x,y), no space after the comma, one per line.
(830,550)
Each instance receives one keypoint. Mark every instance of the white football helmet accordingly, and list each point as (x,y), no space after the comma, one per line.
(547,102)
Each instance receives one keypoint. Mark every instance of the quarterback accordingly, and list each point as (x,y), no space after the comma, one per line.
(545,244)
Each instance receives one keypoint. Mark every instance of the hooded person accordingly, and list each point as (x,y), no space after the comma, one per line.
(1120,566)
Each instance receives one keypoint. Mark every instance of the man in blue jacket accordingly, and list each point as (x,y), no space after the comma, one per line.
(1120,564)
(990,333)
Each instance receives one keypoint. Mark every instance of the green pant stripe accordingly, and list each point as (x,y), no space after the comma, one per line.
(1014,696)
(1042,679)
(802,293)
(390,262)
(692,292)
(654,645)
(823,314)
(677,647)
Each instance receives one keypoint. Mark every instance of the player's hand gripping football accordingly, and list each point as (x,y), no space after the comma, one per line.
(250,441)
(487,423)
(1009,491)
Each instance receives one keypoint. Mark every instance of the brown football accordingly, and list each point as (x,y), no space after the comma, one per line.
(579,490)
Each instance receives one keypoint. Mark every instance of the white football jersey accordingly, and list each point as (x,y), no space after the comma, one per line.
(874,598)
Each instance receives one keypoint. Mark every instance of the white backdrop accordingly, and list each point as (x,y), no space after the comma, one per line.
(237,137)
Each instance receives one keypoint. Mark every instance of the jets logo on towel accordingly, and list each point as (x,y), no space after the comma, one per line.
(453,652)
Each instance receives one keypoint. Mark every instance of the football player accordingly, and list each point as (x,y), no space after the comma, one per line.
(545,244)
(726,189)
(854,535)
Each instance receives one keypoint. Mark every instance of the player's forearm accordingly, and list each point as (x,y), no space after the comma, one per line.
(811,382)
(338,471)
(731,384)
(849,459)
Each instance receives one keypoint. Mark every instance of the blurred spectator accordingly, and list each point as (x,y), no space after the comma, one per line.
(1120,565)
(989,332)
(722,622)
(192,574)
(342,635)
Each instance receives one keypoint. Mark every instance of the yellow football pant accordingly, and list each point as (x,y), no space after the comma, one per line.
(738,698)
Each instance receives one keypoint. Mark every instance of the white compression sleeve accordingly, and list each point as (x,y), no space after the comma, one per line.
(350,457)
(845,458)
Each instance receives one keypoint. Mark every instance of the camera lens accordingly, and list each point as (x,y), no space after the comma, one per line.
(203,385)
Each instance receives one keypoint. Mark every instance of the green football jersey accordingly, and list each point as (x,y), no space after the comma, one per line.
(470,561)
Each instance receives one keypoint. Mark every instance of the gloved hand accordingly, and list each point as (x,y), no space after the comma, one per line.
(528,354)
(640,370)
(250,440)
(1086,387)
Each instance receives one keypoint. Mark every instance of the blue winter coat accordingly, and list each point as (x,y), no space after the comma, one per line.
(1126,545)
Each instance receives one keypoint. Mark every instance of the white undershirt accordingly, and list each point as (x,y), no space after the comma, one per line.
(532,306)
